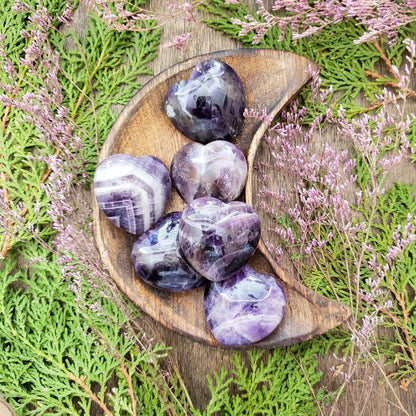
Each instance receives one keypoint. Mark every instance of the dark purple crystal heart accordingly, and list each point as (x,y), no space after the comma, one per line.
(217,238)
(217,169)
(244,308)
(209,105)
(132,191)
(157,258)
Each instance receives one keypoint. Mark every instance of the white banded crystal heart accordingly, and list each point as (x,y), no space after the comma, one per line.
(132,191)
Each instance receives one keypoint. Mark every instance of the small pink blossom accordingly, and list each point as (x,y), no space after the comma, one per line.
(178,42)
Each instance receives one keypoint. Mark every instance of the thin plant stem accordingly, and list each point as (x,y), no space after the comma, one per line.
(310,385)
(90,393)
(131,390)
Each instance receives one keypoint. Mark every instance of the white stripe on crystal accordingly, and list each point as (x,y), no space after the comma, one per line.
(141,194)
(145,212)
(158,192)
(147,205)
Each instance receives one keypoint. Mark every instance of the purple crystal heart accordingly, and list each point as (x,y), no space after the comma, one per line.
(217,169)
(218,238)
(132,191)
(209,105)
(244,308)
(157,258)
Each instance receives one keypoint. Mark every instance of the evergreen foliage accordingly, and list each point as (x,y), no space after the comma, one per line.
(53,358)
(63,353)
(99,71)
(275,383)
(66,351)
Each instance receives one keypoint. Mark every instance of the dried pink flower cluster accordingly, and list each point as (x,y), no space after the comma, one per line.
(179,42)
(319,182)
(42,107)
(321,193)
(380,17)
(185,9)
(122,15)
(319,211)
(320,203)
(65,175)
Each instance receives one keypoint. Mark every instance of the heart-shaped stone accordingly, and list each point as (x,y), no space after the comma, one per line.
(157,258)
(218,238)
(217,169)
(132,191)
(244,308)
(209,105)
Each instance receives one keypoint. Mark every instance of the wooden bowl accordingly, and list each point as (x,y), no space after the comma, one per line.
(270,79)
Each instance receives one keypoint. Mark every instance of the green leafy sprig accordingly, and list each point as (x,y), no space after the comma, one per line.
(54,359)
(98,71)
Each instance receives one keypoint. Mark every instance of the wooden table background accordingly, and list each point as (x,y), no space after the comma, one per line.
(193,360)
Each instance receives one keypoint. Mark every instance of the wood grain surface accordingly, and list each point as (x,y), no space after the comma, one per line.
(194,360)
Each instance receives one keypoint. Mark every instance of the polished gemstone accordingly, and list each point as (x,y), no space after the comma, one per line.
(157,258)
(132,191)
(209,105)
(244,308)
(218,238)
(217,169)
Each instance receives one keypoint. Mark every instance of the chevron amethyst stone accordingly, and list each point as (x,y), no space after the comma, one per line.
(217,169)
(218,238)
(157,258)
(209,105)
(132,191)
(244,308)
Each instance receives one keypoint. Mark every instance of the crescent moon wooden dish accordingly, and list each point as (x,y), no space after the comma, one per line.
(270,79)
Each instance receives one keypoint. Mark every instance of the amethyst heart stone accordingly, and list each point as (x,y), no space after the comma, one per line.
(244,308)
(217,169)
(217,238)
(157,259)
(132,191)
(209,105)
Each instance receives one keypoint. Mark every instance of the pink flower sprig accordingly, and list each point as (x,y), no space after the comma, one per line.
(320,182)
(382,18)
(122,15)
(179,42)
(40,102)
(324,208)
(400,82)
(41,105)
